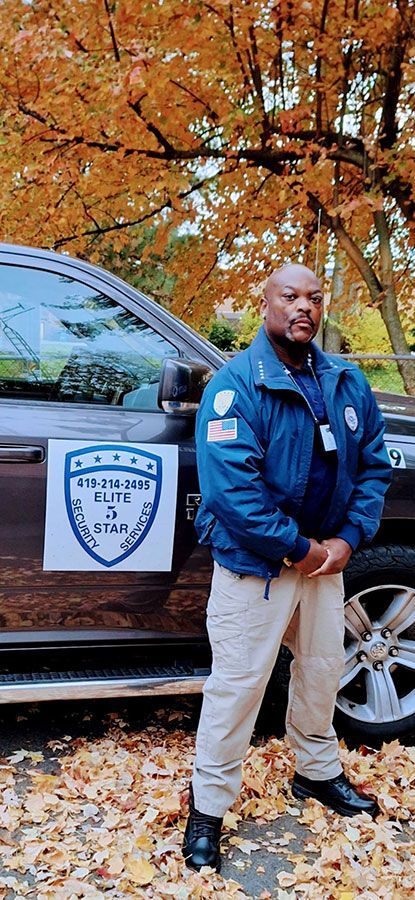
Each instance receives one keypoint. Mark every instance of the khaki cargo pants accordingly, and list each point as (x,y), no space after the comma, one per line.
(245,633)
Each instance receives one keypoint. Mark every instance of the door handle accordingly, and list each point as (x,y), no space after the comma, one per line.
(28,454)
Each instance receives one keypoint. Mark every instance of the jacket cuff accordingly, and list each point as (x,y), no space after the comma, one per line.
(351,534)
(301,548)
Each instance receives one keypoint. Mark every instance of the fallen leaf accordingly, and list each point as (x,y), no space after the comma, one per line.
(140,871)
(230,820)
(115,865)
(244,845)
(286,879)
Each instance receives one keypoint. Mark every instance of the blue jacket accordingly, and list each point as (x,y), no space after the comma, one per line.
(254,448)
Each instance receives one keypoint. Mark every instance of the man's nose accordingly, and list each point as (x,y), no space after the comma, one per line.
(303,303)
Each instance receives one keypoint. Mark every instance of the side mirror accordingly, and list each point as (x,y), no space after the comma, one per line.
(182,382)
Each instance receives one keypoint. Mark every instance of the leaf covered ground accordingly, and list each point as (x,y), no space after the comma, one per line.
(104,817)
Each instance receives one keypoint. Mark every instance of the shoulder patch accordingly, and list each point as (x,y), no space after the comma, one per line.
(223,401)
(350,416)
(222,430)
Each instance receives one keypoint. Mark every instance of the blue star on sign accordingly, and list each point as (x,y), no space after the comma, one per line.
(116,457)
(133,460)
(97,459)
(150,466)
(78,464)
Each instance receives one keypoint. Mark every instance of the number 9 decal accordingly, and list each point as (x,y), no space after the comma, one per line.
(396,457)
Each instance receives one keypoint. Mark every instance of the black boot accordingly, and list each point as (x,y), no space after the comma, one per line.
(201,838)
(337,793)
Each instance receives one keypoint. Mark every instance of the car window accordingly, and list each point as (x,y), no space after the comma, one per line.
(62,340)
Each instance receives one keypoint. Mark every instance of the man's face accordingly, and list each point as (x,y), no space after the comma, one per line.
(292,305)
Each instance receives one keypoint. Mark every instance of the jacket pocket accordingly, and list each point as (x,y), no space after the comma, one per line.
(204,523)
(212,532)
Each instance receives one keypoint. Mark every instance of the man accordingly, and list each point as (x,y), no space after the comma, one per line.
(293,471)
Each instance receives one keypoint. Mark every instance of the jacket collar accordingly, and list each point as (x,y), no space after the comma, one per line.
(269,370)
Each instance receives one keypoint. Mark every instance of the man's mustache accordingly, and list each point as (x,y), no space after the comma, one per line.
(303,318)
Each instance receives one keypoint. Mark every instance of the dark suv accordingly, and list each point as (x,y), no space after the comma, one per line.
(102,584)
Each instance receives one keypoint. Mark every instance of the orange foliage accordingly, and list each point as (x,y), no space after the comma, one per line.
(240,119)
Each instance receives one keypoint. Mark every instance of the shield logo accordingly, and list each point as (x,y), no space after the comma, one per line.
(112,494)
(223,401)
(351,419)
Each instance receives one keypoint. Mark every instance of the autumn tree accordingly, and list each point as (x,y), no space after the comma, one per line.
(252,124)
(147,269)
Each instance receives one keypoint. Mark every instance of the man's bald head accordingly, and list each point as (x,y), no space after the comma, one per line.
(292,304)
(278,276)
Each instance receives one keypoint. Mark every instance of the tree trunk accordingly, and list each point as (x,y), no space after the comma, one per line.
(381,290)
(332,333)
(390,316)
(389,307)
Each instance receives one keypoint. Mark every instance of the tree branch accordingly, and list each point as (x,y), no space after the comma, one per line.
(205,277)
(95,232)
(343,148)
(256,75)
(68,33)
(230,23)
(394,68)
(112,32)
(403,193)
(211,112)
(169,151)
(118,226)
(278,62)
(334,224)
(319,63)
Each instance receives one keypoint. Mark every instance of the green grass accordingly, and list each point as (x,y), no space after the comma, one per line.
(384,377)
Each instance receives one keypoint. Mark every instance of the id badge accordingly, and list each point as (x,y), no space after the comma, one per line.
(327,437)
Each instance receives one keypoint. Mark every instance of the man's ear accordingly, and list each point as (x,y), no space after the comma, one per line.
(263,307)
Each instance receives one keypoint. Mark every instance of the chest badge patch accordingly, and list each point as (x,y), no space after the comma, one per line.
(350,416)
(223,401)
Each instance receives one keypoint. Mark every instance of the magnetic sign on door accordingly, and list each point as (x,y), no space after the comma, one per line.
(110,505)
(112,495)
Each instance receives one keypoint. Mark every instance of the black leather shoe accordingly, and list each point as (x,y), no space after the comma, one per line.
(337,793)
(201,838)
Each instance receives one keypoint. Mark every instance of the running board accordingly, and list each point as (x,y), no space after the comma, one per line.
(92,685)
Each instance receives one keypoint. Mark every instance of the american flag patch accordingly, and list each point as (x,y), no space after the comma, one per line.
(222,430)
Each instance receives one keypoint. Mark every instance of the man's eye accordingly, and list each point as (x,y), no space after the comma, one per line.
(289,296)
(317,300)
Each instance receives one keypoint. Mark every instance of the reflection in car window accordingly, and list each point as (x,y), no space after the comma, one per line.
(62,340)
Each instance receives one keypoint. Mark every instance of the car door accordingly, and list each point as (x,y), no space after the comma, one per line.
(80,361)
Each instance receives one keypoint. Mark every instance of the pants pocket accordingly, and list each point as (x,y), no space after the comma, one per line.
(229,574)
(229,594)
(313,695)
(228,641)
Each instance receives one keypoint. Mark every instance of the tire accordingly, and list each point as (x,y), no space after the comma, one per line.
(376,700)
(380,591)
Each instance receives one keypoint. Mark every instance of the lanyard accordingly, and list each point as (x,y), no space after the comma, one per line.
(327,438)
(295,382)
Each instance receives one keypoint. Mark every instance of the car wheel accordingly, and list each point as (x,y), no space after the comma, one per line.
(376,700)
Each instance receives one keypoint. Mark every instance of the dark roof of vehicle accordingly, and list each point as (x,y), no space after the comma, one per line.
(399,404)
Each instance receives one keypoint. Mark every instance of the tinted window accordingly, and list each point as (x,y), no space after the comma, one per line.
(62,340)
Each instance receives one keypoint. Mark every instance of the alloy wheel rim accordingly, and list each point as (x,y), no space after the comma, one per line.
(378,683)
